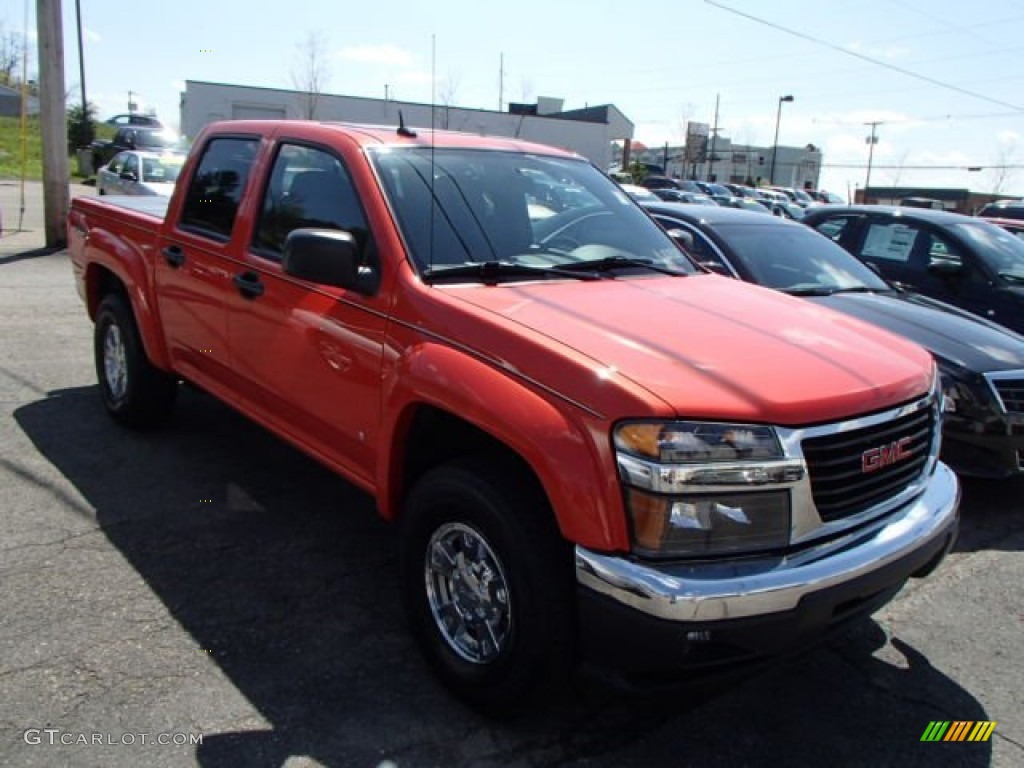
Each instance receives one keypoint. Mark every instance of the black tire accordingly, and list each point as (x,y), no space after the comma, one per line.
(530,653)
(134,391)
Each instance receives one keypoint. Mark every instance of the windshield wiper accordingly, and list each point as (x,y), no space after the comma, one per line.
(608,263)
(491,272)
(822,291)
(1015,276)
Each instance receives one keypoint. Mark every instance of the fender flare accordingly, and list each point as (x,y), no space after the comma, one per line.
(126,259)
(553,437)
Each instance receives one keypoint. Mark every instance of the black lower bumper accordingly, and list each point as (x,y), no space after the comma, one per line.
(649,651)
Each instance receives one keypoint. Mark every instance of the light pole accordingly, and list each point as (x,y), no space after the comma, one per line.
(775,144)
(870,141)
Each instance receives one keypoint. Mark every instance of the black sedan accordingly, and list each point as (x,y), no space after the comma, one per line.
(982,364)
(961,260)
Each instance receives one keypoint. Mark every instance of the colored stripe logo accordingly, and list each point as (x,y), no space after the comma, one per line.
(959,730)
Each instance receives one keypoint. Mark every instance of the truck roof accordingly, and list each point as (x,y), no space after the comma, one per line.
(376,135)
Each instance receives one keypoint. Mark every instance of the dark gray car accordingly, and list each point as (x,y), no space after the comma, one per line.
(961,260)
(982,364)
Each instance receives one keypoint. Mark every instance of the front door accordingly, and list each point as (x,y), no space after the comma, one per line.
(309,355)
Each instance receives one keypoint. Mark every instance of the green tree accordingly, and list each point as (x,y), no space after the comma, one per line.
(81,126)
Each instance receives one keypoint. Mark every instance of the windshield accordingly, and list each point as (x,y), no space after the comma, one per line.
(164,169)
(997,247)
(795,258)
(510,207)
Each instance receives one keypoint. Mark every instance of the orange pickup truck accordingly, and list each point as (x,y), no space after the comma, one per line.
(593,449)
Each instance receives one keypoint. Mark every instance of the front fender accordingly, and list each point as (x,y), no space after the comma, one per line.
(566,446)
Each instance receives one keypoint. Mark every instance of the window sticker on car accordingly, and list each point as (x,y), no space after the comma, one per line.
(889,241)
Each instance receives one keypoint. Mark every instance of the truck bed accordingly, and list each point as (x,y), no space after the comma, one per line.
(155,205)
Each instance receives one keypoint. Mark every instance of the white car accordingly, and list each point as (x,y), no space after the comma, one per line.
(136,172)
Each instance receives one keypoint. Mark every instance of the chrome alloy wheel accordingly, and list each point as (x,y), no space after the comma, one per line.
(115,368)
(468,593)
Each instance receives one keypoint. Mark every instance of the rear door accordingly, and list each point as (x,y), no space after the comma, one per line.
(196,264)
(309,356)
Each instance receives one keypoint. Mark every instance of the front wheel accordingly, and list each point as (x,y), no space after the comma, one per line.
(134,391)
(487,584)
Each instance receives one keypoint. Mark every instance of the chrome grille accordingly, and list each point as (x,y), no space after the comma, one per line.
(836,463)
(1009,388)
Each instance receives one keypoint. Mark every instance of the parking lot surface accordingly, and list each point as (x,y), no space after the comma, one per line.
(207,582)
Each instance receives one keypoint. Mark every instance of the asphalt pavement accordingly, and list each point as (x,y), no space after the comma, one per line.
(207,583)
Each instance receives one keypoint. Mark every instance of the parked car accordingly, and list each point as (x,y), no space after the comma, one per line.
(679,196)
(134,119)
(982,364)
(664,182)
(640,194)
(1014,226)
(711,189)
(1002,209)
(133,137)
(789,210)
(744,203)
(798,196)
(139,173)
(962,260)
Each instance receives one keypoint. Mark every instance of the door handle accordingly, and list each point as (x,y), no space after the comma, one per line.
(173,255)
(249,285)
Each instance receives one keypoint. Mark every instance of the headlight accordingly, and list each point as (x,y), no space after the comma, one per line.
(696,488)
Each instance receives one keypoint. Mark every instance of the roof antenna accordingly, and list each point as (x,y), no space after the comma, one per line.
(402,129)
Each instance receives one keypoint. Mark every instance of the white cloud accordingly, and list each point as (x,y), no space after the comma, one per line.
(377,54)
(1008,137)
(91,35)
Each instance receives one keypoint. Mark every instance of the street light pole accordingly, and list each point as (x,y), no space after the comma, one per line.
(870,141)
(775,144)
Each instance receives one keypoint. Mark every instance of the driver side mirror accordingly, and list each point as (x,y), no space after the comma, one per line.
(128,176)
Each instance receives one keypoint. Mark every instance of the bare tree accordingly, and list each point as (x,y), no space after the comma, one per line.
(1002,170)
(447,93)
(12,52)
(899,166)
(311,75)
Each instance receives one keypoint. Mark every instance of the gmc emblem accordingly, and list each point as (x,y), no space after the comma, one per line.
(875,458)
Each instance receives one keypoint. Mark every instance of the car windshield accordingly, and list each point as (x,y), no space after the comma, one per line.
(796,259)
(161,169)
(998,248)
(491,207)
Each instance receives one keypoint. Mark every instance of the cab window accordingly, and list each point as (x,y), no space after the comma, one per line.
(216,188)
(308,188)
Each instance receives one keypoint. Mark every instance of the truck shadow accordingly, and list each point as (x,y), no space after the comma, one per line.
(286,576)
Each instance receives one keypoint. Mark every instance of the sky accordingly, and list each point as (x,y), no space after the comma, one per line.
(944,80)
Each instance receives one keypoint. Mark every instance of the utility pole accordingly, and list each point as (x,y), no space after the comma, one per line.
(53,121)
(81,60)
(501,80)
(714,136)
(870,141)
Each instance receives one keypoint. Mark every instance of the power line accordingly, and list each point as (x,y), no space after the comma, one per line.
(862,57)
(972,168)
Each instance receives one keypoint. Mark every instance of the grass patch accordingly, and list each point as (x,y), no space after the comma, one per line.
(10,148)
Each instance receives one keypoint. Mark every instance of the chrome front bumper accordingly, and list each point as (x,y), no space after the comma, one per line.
(716,591)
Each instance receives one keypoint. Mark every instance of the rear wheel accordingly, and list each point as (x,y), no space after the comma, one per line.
(134,391)
(487,584)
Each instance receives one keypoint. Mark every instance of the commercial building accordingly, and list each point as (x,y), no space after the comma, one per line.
(589,132)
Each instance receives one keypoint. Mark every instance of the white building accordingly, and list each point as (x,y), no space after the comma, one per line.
(588,132)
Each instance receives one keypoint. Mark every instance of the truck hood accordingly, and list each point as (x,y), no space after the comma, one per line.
(949,333)
(712,347)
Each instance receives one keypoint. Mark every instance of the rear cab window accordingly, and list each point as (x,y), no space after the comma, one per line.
(216,188)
